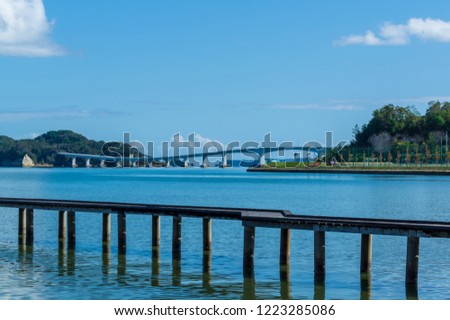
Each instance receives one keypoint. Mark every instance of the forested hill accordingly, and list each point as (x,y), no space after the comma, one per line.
(393,126)
(44,148)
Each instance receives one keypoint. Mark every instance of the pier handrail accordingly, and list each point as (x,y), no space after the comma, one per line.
(250,216)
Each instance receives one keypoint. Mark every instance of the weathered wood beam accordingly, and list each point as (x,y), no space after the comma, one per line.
(412,260)
(319,253)
(366,253)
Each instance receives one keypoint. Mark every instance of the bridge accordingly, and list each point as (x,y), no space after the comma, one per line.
(251,219)
(257,155)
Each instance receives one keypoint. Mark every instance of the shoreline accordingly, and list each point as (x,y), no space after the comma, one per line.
(425,172)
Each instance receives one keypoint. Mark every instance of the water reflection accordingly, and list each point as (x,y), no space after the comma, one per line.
(106,262)
(199,281)
(25,254)
(176,272)
(365,286)
(155,266)
(412,292)
(285,282)
(21,239)
(61,261)
(249,286)
(207,263)
(71,262)
(121,268)
(319,287)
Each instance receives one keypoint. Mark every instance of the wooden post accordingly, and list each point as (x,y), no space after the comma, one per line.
(122,233)
(71,228)
(176,250)
(207,234)
(156,231)
(176,238)
(249,249)
(319,252)
(207,256)
(62,228)
(412,260)
(106,228)
(285,246)
(106,233)
(29,227)
(366,253)
(22,222)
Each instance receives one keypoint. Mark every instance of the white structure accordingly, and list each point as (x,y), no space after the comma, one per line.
(27,162)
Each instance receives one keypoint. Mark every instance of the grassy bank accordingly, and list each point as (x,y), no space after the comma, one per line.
(359,168)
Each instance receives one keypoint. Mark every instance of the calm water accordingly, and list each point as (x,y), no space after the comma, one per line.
(44,272)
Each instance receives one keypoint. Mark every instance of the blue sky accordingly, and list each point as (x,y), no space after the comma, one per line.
(227,70)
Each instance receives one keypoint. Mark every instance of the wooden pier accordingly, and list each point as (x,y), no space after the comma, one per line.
(251,219)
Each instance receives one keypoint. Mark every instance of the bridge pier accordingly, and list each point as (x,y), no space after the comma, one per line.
(29,238)
(207,234)
(102,164)
(250,218)
(71,230)
(106,231)
(156,231)
(121,233)
(88,163)
(62,228)
(319,253)
(412,261)
(156,238)
(285,247)
(176,238)
(366,253)
(249,250)
(74,162)
(22,224)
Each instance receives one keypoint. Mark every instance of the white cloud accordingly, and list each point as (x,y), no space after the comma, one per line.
(419,100)
(401,34)
(61,113)
(25,30)
(35,115)
(337,107)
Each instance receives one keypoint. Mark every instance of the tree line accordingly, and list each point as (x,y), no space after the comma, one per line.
(398,134)
(44,148)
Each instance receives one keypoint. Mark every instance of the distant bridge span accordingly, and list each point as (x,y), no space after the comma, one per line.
(256,154)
